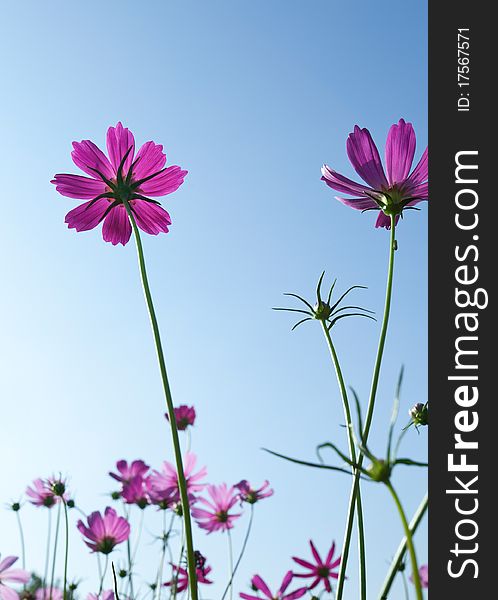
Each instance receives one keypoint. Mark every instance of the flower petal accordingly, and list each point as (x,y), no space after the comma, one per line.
(87,156)
(316,556)
(358,203)
(150,217)
(8,561)
(342,184)
(421,172)
(7,593)
(77,186)
(286,581)
(119,140)
(364,157)
(258,583)
(165,183)
(85,217)
(150,159)
(117,227)
(384,221)
(400,150)
(16,575)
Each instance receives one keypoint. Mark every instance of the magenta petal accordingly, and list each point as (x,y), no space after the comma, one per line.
(421,172)
(165,183)
(358,203)
(117,228)
(89,158)
(400,150)
(297,594)
(149,160)
(77,186)
(259,583)
(119,141)
(384,221)
(364,157)
(150,217)
(85,217)
(342,184)
(286,581)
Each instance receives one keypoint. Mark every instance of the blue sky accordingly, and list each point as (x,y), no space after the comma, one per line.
(251,98)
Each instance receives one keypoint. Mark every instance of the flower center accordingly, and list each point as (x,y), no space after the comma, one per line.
(323,572)
(106,545)
(222,516)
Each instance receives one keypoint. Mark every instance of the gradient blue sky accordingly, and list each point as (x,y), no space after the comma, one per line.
(251,98)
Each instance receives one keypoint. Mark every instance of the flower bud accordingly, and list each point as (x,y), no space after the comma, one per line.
(379,470)
(419,414)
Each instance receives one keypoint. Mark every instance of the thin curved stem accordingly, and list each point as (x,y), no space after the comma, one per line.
(355,488)
(101,586)
(139,535)
(56,539)
(66,553)
(409,542)
(242,551)
(192,576)
(400,553)
(230,562)
(165,544)
(21,535)
(47,554)
(357,501)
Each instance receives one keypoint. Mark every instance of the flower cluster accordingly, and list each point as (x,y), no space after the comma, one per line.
(214,507)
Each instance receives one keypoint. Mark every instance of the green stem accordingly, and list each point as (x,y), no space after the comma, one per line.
(21,535)
(352,455)
(192,578)
(400,553)
(101,587)
(56,538)
(47,554)
(66,554)
(409,542)
(355,489)
(130,562)
(165,540)
(139,535)
(243,549)
(230,563)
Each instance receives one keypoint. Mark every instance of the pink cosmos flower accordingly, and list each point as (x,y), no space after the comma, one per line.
(47,593)
(105,595)
(217,517)
(181,579)
(41,494)
(104,533)
(136,492)
(321,570)
(166,481)
(8,575)
(184,416)
(126,472)
(251,495)
(389,194)
(423,572)
(124,175)
(260,585)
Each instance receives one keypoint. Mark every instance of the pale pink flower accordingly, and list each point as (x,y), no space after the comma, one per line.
(9,575)
(217,516)
(251,495)
(165,482)
(104,533)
